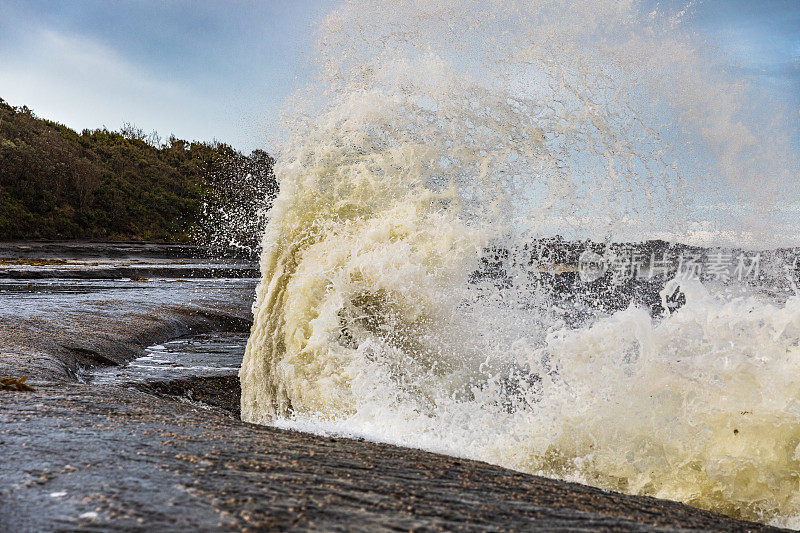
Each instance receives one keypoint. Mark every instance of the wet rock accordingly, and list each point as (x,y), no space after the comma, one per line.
(173,455)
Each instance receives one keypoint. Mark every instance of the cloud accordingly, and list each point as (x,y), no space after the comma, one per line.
(201,70)
(85,84)
(81,60)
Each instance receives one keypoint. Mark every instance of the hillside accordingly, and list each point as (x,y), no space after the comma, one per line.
(56,183)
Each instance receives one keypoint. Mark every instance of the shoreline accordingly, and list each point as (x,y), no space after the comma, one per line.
(82,457)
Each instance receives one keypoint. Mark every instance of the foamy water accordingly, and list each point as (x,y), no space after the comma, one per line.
(435,131)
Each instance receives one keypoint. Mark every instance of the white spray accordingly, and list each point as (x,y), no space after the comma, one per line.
(435,130)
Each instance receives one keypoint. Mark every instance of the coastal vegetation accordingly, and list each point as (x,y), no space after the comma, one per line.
(56,183)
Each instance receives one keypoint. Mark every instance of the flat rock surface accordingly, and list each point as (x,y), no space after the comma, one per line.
(81,457)
(78,457)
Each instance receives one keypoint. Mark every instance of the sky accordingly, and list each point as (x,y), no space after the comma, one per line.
(219,70)
(200,69)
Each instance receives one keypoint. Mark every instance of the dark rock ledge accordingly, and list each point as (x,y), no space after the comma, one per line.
(81,458)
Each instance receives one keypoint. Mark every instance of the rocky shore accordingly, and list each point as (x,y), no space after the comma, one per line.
(173,455)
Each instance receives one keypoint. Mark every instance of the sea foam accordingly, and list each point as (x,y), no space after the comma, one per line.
(436,130)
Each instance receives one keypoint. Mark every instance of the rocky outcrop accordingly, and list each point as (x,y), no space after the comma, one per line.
(174,455)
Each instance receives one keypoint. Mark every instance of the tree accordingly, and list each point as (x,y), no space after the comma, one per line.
(101,184)
(85,179)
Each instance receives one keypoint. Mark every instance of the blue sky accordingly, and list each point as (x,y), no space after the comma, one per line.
(762,39)
(199,69)
(221,69)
